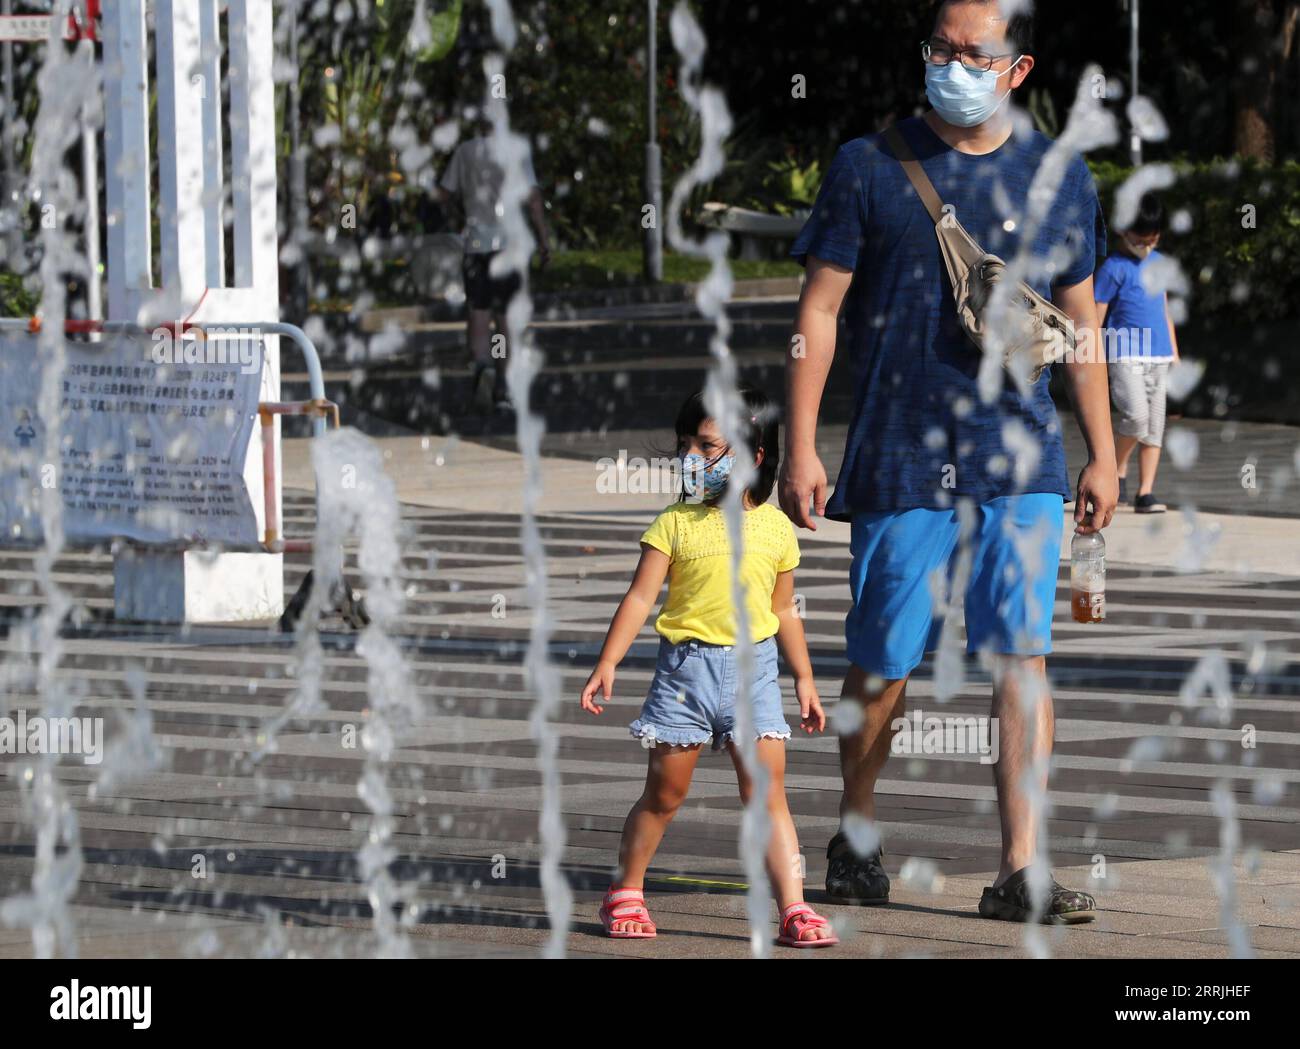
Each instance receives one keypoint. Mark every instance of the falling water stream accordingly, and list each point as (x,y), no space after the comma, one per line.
(356,490)
(511,152)
(358,500)
(723,402)
(1090,126)
(65,79)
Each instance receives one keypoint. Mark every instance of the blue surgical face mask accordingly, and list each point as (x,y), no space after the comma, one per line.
(962,96)
(704,479)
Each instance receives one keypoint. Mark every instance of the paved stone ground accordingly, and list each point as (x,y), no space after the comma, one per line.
(1134,768)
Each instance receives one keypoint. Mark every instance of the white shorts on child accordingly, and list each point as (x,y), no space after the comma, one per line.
(1138,390)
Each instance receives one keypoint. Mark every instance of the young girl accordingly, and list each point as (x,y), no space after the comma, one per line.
(692,699)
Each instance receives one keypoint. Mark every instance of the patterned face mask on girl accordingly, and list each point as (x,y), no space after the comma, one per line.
(704,479)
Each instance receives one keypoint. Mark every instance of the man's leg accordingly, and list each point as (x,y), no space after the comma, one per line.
(478,322)
(500,392)
(1009,605)
(480,349)
(500,290)
(863,753)
(855,871)
(895,556)
(1026,725)
(500,334)
(480,336)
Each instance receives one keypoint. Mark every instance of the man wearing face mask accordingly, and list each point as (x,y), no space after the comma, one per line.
(932,469)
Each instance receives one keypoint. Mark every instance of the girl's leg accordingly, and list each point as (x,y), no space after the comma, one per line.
(668,776)
(784,863)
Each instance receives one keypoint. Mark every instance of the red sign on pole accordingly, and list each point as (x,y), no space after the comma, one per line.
(35,29)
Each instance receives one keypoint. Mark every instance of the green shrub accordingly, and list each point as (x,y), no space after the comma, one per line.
(1237,273)
(612,268)
(15,299)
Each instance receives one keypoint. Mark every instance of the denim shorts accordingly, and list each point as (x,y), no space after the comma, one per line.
(692,698)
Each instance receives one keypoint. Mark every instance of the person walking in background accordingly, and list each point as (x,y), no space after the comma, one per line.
(473,179)
(1140,347)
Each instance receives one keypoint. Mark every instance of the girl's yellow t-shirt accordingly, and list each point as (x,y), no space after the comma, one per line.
(698,605)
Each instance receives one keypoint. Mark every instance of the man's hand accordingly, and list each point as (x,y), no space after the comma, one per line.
(802,477)
(1086,379)
(1098,487)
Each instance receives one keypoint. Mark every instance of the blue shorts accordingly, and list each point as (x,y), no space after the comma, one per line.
(692,698)
(903,559)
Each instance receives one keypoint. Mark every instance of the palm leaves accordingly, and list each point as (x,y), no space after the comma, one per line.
(356,79)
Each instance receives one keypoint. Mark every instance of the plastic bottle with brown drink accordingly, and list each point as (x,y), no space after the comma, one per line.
(1088,578)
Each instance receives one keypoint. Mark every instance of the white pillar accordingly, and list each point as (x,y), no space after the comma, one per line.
(210,102)
(126,164)
(164,585)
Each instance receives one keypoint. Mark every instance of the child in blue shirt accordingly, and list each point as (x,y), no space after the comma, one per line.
(1140,345)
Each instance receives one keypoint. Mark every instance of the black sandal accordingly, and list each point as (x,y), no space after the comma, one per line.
(851,878)
(1011,902)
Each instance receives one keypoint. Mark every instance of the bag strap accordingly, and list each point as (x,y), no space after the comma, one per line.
(919,179)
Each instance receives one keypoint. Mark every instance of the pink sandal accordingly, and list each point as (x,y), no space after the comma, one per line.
(626,905)
(802,917)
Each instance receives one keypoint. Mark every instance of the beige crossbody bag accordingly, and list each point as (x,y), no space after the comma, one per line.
(1040,333)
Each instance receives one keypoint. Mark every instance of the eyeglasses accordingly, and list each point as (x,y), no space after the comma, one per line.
(938,53)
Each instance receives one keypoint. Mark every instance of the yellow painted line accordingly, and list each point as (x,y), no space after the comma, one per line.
(704,881)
